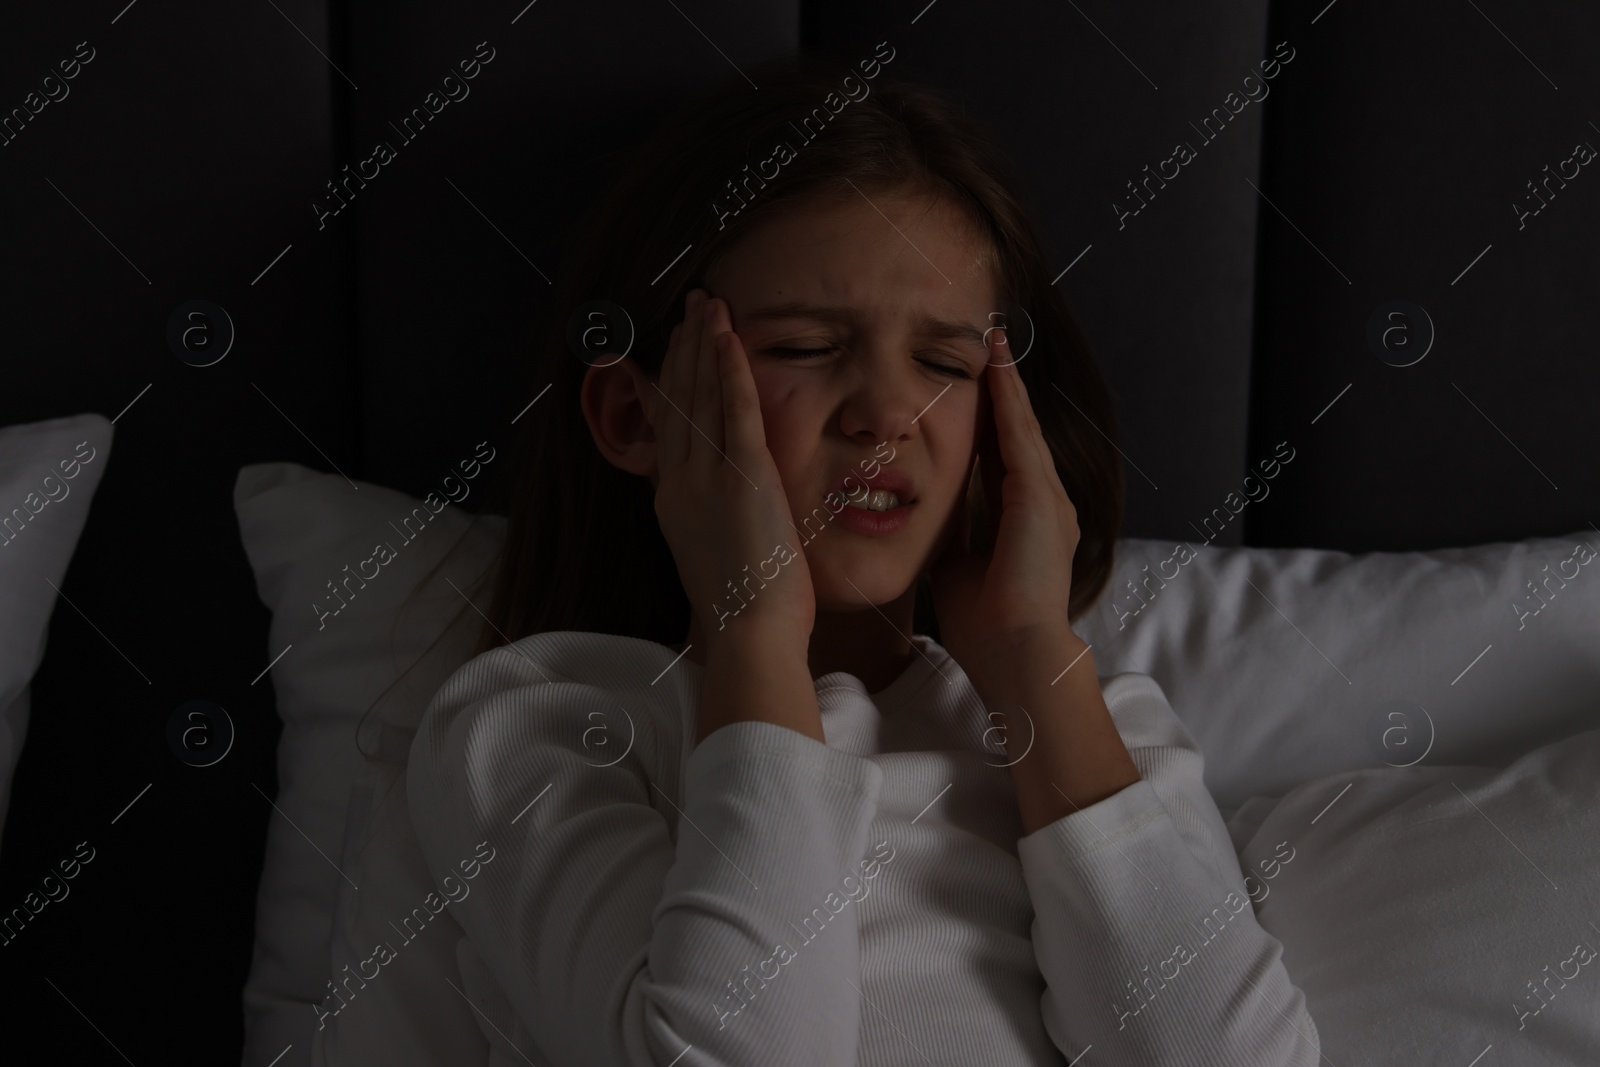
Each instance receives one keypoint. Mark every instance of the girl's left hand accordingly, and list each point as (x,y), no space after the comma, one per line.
(987,605)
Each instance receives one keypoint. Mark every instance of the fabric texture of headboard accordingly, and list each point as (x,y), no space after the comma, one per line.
(1359,230)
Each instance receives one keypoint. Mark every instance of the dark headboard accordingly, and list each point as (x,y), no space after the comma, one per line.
(1263,286)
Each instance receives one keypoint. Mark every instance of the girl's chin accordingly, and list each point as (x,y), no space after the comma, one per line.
(854,588)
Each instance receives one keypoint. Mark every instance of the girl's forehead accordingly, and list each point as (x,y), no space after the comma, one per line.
(866,255)
(875,217)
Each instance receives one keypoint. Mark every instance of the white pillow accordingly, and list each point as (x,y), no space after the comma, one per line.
(1269,712)
(301,529)
(1420,912)
(48,474)
(1324,664)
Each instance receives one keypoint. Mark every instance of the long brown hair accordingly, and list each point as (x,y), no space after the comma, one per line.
(584,550)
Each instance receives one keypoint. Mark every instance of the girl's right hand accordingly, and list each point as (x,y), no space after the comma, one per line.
(719,497)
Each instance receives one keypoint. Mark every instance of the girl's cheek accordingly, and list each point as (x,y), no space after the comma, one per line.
(781,400)
(791,438)
(782,429)
(962,419)
(769,387)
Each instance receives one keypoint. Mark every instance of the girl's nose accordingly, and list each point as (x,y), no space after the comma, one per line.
(885,402)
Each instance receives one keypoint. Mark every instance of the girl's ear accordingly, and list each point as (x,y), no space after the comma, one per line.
(619,404)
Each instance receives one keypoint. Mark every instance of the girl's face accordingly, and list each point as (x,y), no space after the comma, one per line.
(892,298)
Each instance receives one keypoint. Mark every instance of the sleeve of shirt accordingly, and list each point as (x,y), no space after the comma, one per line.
(1143,928)
(622,937)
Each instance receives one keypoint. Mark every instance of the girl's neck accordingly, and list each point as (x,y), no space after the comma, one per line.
(872,643)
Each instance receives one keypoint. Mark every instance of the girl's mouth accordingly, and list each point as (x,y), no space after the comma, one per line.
(876,500)
(876,522)
(885,490)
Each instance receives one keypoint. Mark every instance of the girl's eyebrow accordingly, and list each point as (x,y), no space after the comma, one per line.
(925,325)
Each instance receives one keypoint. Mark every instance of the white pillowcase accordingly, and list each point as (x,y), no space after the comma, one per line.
(301,529)
(1267,709)
(48,474)
(1431,912)
(1297,677)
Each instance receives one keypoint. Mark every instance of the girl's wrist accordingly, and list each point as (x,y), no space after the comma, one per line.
(1046,649)
(757,675)
(754,634)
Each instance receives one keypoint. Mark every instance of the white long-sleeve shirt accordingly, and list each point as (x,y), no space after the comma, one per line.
(765,899)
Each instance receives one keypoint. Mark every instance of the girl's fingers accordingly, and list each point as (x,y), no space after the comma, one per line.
(1021,440)
(678,384)
(1011,428)
(741,405)
(960,543)
(691,365)
(707,411)
(655,408)
(1031,418)
(992,474)
(667,438)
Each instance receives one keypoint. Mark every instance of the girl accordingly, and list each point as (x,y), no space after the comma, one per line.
(789,753)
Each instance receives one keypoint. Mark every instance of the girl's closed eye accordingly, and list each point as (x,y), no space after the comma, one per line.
(790,352)
(801,353)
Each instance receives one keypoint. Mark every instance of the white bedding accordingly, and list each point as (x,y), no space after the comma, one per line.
(1252,646)
(1286,664)
(1430,913)
(49,471)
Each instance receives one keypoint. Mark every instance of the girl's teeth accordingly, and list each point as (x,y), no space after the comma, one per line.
(877,500)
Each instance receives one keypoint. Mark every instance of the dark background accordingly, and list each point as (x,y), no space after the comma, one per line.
(1228,314)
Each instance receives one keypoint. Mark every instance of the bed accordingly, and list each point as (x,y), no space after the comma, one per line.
(1350,267)
(1423,855)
